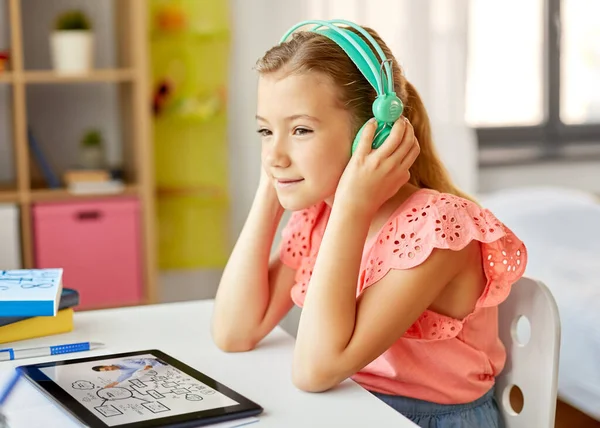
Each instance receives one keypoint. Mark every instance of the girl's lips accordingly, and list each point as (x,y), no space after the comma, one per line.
(288,183)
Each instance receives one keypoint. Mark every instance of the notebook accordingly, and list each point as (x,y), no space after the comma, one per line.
(30,292)
(33,327)
(69,298)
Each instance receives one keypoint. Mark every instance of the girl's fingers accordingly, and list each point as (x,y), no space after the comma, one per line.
(411,156)
(393,140)
(366,138)
(408,140)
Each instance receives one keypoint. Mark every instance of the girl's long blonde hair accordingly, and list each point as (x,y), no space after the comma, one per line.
(312,52)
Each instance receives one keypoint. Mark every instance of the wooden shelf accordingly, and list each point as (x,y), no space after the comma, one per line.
(48,195)
(7,195)
(50,76)
(131,80)
(207,192)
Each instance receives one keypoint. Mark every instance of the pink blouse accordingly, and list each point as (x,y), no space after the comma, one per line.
(439,358)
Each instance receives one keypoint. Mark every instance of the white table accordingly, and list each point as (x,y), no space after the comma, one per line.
(263,375)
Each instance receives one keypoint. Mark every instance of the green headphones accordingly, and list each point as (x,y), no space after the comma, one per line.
(387,107)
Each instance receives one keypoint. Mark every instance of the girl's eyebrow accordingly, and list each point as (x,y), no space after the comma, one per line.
(302,116)
(293,117)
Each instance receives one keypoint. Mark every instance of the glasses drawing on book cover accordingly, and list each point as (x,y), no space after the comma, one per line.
(28,278)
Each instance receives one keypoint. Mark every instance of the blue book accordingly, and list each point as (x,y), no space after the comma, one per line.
(51,178)
(30,292)
(69,298)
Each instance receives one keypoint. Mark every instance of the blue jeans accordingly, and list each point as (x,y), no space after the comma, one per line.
(481,413)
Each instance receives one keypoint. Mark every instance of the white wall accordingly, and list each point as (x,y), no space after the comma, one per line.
(579,175)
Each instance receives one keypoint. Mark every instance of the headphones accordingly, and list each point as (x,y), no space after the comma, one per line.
(387,107)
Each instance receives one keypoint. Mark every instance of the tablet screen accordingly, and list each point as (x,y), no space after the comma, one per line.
(135,388)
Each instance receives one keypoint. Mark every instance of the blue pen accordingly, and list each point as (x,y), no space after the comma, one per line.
(4,395)
(10,354)
(9,387)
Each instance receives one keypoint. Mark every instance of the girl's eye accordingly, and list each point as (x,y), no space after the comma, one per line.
(302,131)
(263,132)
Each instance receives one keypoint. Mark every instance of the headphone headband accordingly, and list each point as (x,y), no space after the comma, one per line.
(349,41)
(387,107)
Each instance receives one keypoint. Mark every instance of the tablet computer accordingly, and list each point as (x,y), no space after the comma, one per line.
(138,389)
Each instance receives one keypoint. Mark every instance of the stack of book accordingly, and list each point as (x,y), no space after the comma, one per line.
(87,181)
(33,303)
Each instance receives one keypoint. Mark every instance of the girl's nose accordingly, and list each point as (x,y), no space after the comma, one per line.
(276,154)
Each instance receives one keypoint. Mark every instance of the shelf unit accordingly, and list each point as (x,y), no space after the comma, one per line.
(134,105)
(107,76)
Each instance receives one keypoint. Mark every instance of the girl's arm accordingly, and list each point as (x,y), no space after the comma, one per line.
(254,293)
(339,335)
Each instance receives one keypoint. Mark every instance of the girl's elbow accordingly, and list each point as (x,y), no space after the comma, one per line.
(313,379)
(232,342)
(228,345)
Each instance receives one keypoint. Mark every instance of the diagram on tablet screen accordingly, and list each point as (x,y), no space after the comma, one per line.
(136,389)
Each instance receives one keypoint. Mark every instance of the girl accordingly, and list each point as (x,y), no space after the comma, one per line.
(398,272)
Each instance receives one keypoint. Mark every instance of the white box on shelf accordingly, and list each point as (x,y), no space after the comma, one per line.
(10,247)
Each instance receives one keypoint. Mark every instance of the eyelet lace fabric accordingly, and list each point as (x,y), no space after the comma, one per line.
(425,221)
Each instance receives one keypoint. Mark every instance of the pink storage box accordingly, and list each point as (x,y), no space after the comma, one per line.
(97,243)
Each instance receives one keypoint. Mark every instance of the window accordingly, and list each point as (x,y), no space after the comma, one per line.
(580,62)
(533,82)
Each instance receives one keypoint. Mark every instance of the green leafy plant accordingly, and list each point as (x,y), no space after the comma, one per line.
(92,138)
(72,20)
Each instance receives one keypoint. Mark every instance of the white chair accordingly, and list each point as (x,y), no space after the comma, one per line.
(561,230)
(532,354)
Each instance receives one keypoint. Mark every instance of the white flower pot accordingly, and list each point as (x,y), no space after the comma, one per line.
(72,51)
(92,157)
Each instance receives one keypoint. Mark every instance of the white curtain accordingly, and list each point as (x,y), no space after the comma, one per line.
(429,40)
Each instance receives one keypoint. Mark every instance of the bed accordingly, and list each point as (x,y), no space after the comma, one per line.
(561,230)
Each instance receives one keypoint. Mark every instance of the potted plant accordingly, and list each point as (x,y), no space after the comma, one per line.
(92,150)
(72,43)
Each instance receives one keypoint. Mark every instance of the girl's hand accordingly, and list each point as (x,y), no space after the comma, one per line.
(265,180)
(374,175)
(266,189)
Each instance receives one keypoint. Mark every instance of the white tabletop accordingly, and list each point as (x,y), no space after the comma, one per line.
(182,330)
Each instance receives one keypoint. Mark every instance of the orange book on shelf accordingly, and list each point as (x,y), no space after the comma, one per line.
(38,327)
(87,175)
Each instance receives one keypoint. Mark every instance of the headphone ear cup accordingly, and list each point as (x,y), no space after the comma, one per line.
(388,108)
(381,134)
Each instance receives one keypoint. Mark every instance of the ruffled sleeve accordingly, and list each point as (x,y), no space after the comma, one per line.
(297,236)
(300,243)
(438,220)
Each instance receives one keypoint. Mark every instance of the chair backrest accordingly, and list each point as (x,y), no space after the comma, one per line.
(532,354)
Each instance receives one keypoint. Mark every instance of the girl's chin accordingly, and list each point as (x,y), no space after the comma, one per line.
(296,203)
